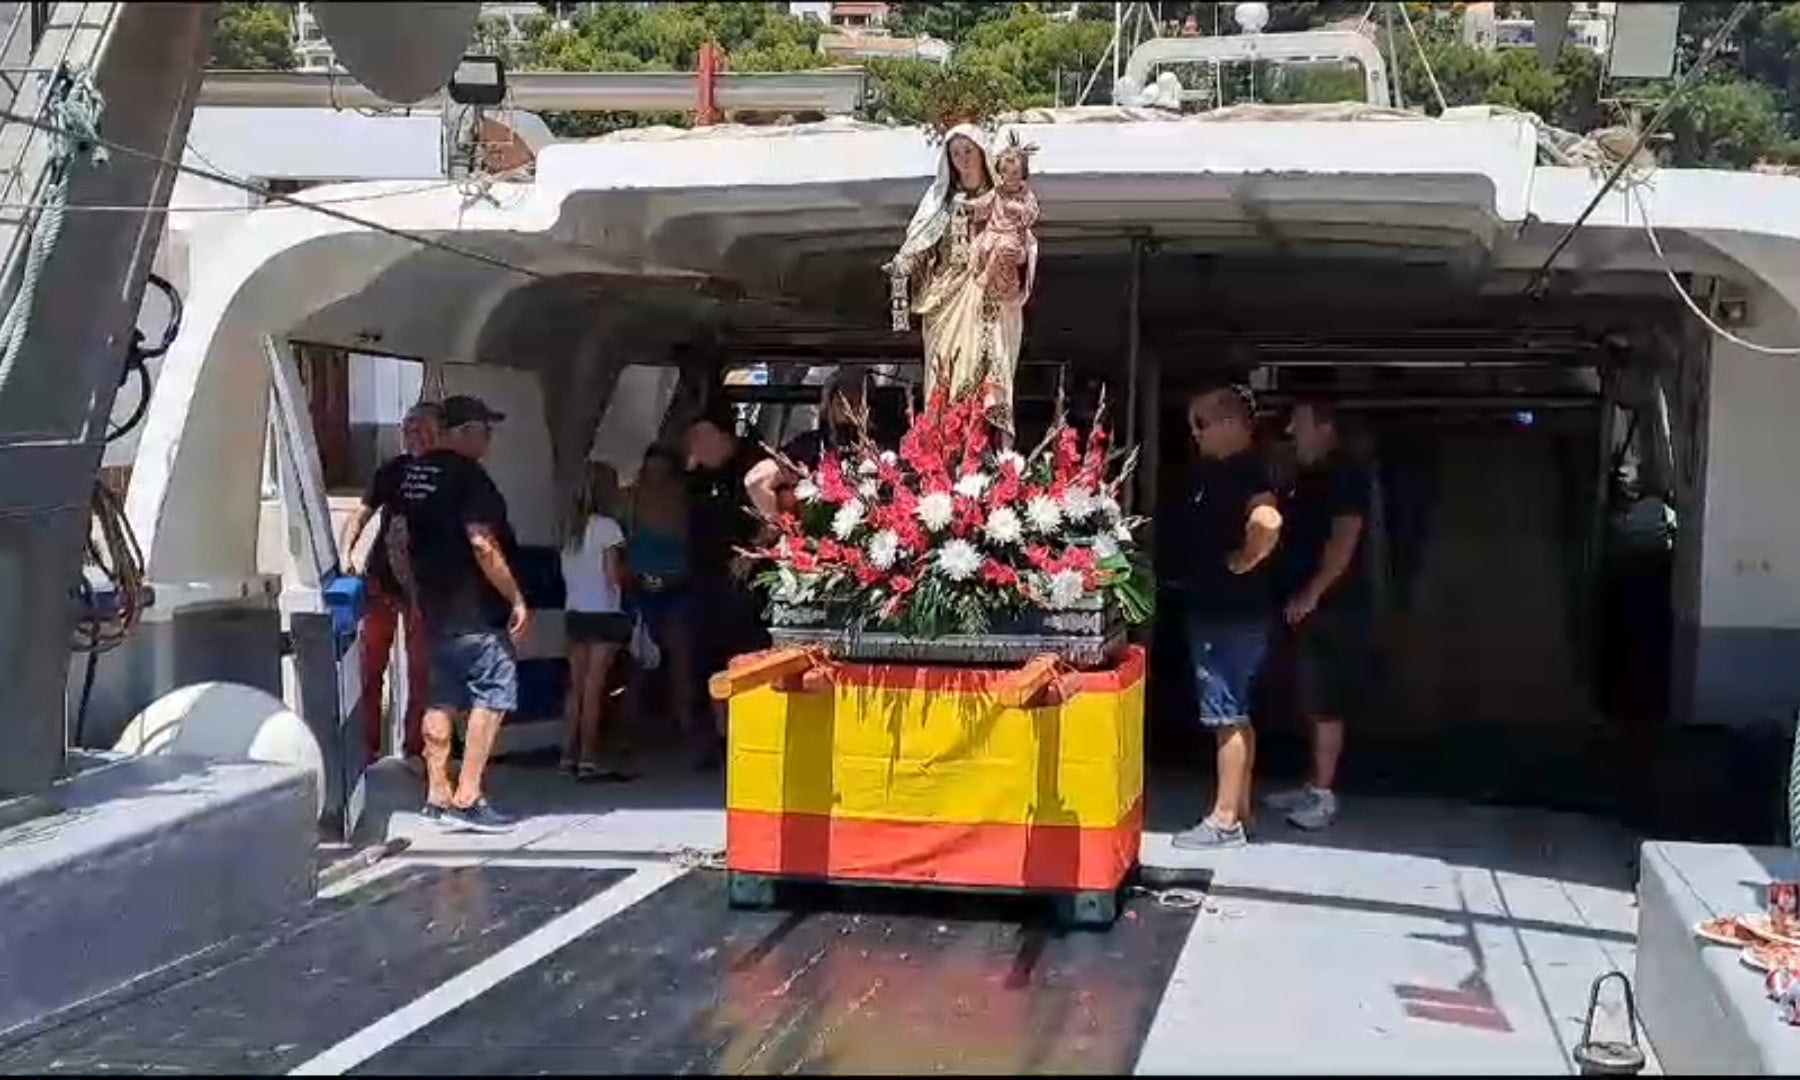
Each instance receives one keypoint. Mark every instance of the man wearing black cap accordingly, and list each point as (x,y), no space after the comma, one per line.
(451,549)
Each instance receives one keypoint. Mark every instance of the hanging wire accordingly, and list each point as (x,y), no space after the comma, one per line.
(1425,61)
(285,199)
(121,208)
(1689,78)
(1636,195)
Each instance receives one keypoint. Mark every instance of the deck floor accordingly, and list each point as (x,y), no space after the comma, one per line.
(1414,937)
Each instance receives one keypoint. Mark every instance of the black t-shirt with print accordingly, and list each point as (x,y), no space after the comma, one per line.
(440,495)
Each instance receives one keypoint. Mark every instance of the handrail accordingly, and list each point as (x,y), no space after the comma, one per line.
(833,91)
(1314,46)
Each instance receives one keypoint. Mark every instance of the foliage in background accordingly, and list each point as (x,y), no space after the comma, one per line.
(1016,55)
(253,37)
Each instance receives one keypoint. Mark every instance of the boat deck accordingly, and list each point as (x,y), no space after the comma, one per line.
(1414,937)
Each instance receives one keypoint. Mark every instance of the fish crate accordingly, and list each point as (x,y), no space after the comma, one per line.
(1018,779)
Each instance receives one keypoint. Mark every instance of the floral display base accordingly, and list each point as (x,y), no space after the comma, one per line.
(1088,636)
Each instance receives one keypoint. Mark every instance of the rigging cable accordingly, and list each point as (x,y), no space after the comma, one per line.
(288,200)
(1689,78)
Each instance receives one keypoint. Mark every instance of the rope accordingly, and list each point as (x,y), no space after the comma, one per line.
(75,116)
(1794,793)
(1637,196)
(1425,61)
(1626,161)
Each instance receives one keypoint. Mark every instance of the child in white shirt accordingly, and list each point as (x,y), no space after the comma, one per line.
(593,566)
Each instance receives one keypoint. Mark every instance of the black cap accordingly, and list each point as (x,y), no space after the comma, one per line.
(460,409)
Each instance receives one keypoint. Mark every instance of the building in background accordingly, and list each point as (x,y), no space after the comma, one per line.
(860,16)
(817,10)
(851,46)
(1590,27)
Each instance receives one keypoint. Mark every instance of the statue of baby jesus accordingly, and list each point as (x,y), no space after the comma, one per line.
(1006,250)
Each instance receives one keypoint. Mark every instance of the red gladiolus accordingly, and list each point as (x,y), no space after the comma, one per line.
(901,584)
(998,573)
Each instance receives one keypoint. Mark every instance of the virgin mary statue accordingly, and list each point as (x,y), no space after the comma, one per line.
(972,332)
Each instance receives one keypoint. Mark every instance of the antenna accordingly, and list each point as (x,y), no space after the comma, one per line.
(1129,20)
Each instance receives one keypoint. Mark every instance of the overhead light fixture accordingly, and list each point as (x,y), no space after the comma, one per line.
(479,80)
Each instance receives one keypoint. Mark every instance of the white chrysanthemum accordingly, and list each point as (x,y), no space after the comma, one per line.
(971,485)
(868,467)
(888,457)
(1078,504)
(1066,589)
(936,511)
(1043,513)
(1003,526)
(1105,547)
(807,490)
(791,588)
(1109,506)
(847,518)
(868,489)
(884,549)
(958,560)
(1013,458)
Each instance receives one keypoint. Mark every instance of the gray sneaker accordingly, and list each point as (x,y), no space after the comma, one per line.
(1290,800)
(1211,836)
(1319,811)
(481,818)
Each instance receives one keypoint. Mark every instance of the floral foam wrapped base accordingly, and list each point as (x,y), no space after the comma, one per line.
(1090,634)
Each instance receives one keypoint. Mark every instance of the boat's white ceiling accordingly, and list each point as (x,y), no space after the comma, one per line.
(801,220)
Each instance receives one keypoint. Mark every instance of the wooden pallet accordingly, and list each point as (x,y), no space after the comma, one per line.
(1083,910)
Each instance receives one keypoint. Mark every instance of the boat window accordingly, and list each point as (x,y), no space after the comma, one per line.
(356,401)
(634,416)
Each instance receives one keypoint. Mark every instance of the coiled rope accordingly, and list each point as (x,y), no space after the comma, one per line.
(75,116)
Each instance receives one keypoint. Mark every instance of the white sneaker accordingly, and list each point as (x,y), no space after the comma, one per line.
(1319,811)
(1286,802)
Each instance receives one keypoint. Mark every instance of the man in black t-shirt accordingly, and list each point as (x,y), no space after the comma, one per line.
(1324,631)
(386,608)
(720,522)
(452,550)
(1221,549)
(842,397)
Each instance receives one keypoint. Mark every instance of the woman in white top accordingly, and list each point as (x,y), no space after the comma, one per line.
(593,565)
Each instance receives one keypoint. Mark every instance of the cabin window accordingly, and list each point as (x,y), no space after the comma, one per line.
(356,402)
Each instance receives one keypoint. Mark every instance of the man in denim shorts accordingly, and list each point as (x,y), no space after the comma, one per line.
(1230,529)
(452,549)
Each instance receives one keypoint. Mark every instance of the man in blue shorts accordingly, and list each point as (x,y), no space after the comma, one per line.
(1230,529)
(452,549)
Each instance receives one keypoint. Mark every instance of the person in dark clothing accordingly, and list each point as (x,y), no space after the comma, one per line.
(1231,527)
(1325,628)
(720,524)
(453,549)
(387,610)
(843,398)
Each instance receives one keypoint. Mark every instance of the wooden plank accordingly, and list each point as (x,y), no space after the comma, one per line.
(759,669)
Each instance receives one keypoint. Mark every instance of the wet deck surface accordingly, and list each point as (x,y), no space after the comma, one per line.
(269,1005)
(675,984)
(1413,937)
(682,985)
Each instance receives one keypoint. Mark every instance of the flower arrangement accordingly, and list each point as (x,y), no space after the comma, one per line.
(951,532)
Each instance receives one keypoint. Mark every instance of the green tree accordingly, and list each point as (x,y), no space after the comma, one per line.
(1728,124)
(253,37)
(948,20)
